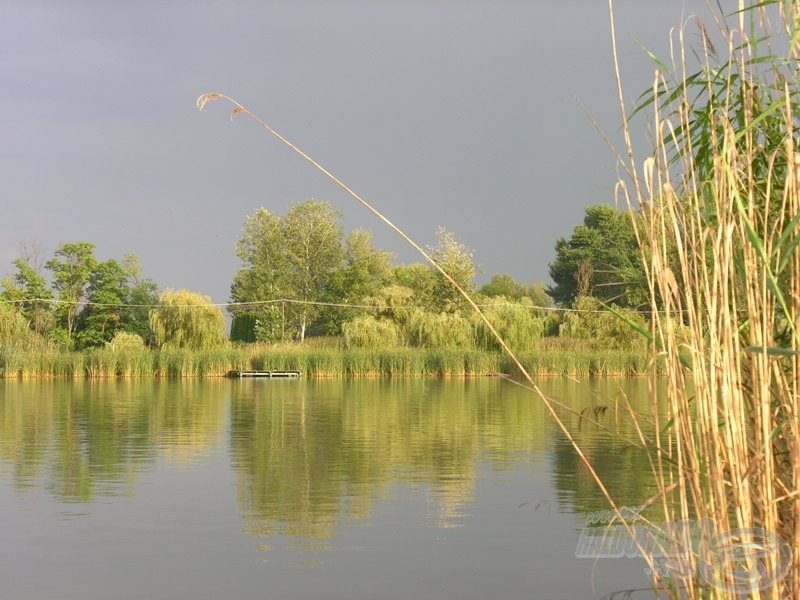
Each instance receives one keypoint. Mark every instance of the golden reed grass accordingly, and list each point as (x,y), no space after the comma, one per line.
(720,200)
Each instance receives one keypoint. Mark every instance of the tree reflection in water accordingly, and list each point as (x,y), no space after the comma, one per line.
(308,454)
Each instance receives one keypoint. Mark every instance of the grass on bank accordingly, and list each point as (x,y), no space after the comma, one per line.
(328,358)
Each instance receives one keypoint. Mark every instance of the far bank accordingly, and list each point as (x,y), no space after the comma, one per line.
(331,359)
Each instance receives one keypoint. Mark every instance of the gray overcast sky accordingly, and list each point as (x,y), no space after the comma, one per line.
(461,113)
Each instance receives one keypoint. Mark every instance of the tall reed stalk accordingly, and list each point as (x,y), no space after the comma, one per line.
(720,197)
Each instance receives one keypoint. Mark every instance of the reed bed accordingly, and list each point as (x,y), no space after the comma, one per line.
(106,362)
(321,360)
(40,363)
(584,363)
(720,203)
(402,362)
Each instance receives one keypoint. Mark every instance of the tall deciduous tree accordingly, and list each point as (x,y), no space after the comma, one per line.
(295,257)
(262,250)
(187,319)
(107,295)
(365,270)
(263,275)
(601,259)
(313,234)
(71,266)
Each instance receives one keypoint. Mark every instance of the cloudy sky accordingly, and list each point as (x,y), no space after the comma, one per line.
(464,114)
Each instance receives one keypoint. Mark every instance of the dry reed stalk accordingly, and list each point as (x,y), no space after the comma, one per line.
(722,237)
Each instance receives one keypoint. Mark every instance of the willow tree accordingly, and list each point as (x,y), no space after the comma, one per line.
(185,319)
(14,330)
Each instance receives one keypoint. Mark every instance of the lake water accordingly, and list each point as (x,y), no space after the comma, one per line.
(210,489)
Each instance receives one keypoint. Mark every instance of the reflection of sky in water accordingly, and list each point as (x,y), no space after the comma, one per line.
(441,490)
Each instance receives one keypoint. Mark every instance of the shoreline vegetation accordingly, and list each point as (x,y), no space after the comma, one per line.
(329,359)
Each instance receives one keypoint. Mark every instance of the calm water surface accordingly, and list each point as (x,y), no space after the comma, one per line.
(306,489)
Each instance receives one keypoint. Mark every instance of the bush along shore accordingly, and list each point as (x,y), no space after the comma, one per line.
(17,363)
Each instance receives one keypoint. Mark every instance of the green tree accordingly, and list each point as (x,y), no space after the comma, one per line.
(537,292)
(505,285)
(125,341)
(366,331)
(297,257)
(365,271)
(263,275)
(449,330)
(314,248)
(431,291)
(603,329)
(366,268)
(420,279)
(71,266)
(14,330)
(601,259)
(107,295)
(142,295)
(187,319)
(243,327)
(28,290)
(394,302)
(262,250)
(517,321)
(456,260)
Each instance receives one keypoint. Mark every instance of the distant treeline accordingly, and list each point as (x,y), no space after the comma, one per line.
(300,278)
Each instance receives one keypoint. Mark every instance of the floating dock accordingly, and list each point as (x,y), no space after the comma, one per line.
(263,374)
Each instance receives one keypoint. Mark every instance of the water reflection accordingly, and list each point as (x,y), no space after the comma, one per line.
(307,455)
(610,440)
(79,439)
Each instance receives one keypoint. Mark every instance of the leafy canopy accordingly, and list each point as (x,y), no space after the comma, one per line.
(601,259)
(302,256)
